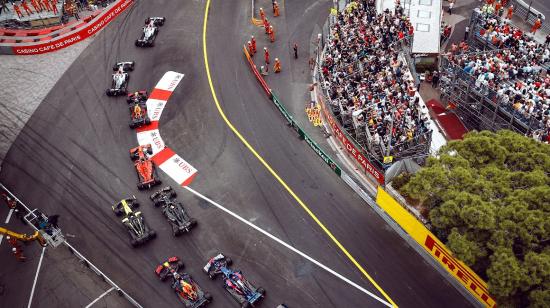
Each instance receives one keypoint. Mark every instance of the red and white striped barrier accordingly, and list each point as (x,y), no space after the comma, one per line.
(166,159)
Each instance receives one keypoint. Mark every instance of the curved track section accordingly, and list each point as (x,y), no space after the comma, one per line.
(72,159)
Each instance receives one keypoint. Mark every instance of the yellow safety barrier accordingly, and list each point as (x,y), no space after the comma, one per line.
(257,22)
(435,247)
(314,115)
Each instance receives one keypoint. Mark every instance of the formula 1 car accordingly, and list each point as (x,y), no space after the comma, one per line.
(138,109)
(119,84)
(173,210)
(241,289)
(157,21)
(145,167)
(138,229)
(150,31)
(188,291)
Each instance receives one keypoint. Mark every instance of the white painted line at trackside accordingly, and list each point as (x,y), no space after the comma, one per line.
(36,276)
(276,239)
(9,216)
(7,221)
(100,297)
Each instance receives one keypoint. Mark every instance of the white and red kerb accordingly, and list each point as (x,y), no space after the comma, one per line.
(166,159)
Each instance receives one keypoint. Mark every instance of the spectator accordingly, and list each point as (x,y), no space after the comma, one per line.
(74,12)
(451,5)
(4,7)
(435,79)
(367,79)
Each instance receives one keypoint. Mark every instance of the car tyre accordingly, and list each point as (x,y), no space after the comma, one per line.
(118,212)
(228,261)
(208,297)
(108,92)
(261,290)
(137,43)
(141,186)
(152,234)
(175,230)
(133,242)
(246,304)
(193,222)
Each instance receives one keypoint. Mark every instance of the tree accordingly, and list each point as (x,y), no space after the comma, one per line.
(489,201)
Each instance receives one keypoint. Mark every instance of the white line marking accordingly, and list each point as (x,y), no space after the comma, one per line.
(7,221)
(9,216)
(36,276)
(95,300)
(276,239)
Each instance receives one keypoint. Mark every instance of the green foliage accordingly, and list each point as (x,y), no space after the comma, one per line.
(489,196)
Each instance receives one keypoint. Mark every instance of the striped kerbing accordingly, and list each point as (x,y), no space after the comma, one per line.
(166,159)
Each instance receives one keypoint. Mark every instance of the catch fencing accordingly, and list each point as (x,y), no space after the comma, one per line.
(78,255)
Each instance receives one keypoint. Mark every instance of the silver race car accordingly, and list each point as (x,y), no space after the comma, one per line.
(119,83)
(150,31)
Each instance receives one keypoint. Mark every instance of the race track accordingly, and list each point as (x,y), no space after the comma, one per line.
(72,159)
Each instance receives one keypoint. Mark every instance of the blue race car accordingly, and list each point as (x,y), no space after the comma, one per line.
(234,282)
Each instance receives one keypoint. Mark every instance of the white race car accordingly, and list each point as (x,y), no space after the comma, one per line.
(150,31)
(119,84)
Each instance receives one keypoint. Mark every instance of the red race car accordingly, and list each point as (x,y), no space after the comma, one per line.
(145,167)
(138,109)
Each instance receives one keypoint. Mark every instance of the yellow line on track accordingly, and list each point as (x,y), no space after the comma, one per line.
(268,167)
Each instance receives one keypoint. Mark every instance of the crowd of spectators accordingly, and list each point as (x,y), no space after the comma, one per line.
(366,77)
(516,69)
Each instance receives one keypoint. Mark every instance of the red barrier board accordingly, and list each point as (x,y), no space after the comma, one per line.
(256,73)
(66,41)
(350,147)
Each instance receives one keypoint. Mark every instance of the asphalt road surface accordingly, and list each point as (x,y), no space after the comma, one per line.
(72,159)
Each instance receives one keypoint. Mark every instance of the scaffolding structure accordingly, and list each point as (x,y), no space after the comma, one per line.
(417,148)
(479,106)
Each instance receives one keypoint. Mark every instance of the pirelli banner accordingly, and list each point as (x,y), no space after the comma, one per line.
(460,271)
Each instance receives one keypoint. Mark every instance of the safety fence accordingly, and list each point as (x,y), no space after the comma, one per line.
(56,40)
(78,255)
(369,163)
(397,216)
(291,122)
(529,14)
(373,157)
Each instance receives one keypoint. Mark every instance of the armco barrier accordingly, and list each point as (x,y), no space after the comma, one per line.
(63,41)
(80,256)
(391,211)
(327,159)
(460,271)
(256,73)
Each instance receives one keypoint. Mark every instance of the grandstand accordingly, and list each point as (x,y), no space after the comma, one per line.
(369,84)
(501,82)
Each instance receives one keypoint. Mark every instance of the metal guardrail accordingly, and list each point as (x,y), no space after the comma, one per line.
(79,255)
(529,14)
